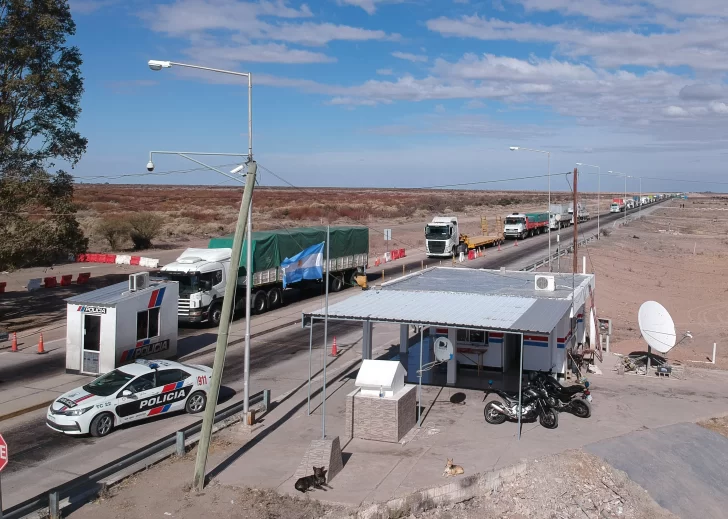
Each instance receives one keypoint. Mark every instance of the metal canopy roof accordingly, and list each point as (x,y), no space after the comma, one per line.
(464,298)
(113,294)
(492,282)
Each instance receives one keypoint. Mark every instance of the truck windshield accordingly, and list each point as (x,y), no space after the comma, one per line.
(439,232)
(188,283)
(514,221)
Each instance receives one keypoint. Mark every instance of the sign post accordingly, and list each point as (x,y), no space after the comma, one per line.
(387,237)
(3,462)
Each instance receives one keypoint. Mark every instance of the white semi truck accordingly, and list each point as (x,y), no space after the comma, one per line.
(442,236)
(560,216)
(582,213)
(202,274)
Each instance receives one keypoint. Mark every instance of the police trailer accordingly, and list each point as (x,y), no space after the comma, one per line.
(121,323)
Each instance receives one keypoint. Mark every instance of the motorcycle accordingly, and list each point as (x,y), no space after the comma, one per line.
(534,401)
(565,398)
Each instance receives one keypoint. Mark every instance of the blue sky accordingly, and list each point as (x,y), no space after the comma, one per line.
(410,93)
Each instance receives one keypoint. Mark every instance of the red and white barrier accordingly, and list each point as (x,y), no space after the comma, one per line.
(118,259)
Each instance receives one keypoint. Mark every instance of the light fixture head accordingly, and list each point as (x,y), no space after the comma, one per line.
(150,166)
(158,65)
(237,169)
(579,164)
(514,148)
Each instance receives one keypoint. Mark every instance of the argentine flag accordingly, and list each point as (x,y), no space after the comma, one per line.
(307,264)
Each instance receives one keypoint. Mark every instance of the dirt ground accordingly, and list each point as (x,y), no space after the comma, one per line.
(201,212)
(719,425)
(677,257)
(572,484)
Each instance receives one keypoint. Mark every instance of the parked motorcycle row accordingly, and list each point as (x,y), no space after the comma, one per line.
(543,397)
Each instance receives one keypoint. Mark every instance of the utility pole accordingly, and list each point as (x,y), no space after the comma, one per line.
(223,330)
(575,267)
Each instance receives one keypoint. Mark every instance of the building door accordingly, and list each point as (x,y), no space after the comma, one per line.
(91,343)
(511,353)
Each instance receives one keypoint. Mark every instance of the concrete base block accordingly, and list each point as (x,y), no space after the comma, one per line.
(322,453)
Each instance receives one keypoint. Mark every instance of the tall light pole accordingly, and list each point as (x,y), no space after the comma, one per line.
(599,190)
(243,227)
(548,158)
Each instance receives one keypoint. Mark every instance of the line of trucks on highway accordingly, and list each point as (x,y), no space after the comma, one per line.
(619,205)
(443,238)
(202,273)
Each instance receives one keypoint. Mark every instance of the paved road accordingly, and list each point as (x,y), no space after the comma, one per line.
(682,466)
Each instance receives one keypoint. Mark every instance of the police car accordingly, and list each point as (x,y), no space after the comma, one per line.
(130,393)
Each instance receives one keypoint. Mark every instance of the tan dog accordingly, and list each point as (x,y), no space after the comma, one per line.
(452,470)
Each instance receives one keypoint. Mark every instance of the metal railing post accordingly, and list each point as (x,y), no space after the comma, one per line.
(180,443)
(266,400)
(54,511)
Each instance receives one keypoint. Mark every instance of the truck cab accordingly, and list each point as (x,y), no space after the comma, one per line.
(202,276)
(516,226)
(442,237)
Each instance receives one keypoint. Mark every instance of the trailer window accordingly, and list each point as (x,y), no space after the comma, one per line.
(147,324)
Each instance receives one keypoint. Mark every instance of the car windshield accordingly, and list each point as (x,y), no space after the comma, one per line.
(437,232)
(188,283)
(109,383)
(514,221)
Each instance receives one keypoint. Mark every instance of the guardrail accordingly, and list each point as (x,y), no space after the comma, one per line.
(89,484)
(556,255)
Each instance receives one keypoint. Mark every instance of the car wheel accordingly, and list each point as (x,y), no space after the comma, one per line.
(196,402)
(101,425)
(336,284)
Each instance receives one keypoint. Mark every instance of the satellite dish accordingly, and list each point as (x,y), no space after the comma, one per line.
(657,327)
(443,349)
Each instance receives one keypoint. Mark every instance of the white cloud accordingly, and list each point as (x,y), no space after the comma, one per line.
(314,34)
(699,44)
(703,92)
(350,101)
(474,104)
(506,68)
(719,108)
(263,53)
(370,6)
(385,71)
(415,58)
(675,111)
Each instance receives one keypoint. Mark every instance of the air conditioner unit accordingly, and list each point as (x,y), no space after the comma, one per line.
(545,283)
(138,281)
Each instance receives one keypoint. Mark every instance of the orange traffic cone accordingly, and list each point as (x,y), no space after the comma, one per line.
(516,244)
(40,345)
(334,351)
(14,344)
(499,244)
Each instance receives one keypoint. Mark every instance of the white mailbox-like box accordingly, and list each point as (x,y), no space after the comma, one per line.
(380,377)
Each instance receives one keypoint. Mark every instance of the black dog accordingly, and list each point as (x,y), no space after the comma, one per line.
(318,479)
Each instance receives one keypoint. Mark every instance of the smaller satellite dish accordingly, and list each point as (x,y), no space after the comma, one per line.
(657,326)
(443,349)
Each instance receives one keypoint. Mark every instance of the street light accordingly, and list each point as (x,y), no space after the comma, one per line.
(599,190)
(548,155)
(201,461)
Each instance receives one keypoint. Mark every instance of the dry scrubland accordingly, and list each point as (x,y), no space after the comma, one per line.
(678,257)
(198,212)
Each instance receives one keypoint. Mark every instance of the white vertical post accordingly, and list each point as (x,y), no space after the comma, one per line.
(520,388)
(326,332)
(713,353)
(310,354)
(419,395)
(583,264)
(248,297)
(548,158)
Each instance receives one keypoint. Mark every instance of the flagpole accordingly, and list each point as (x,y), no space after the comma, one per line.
(326,332)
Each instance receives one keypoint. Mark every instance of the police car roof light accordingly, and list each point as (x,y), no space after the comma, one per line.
(154,366)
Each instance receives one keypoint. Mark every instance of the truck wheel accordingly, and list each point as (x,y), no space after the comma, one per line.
(260,302)
(214,314)
(275,298)
(336,283)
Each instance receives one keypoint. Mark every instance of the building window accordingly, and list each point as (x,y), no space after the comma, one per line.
(472,336)
(147,324)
